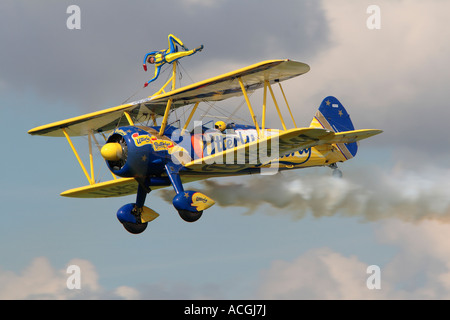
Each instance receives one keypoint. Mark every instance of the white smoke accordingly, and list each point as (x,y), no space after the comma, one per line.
(371,194)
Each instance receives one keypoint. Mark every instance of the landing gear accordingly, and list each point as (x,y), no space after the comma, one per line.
(135,216)
(189,204)
(189,216)
(135,228)
(134,219)
(131,219)
(336,172)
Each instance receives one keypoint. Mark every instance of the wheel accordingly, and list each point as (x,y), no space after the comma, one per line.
(337,173)
(135,228)
(189,216)
(130,221)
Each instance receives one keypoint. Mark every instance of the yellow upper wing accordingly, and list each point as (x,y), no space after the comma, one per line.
(227,85)
(213,89)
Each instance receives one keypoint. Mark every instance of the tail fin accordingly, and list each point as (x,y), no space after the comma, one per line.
(333,116)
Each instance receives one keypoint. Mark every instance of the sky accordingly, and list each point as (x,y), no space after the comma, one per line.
(301,235)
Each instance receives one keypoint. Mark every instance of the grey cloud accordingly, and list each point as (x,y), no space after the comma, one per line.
(101,64)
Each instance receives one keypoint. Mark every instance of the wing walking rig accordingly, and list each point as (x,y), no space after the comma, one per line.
(143,158)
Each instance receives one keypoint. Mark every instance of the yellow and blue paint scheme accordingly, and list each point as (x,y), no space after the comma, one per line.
(145,158)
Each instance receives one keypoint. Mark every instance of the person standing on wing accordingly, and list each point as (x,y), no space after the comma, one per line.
(159,58)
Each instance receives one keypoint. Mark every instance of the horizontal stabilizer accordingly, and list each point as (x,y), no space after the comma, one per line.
(354,135)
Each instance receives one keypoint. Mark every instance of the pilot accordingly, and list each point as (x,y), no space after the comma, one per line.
(220,126)
(159,58)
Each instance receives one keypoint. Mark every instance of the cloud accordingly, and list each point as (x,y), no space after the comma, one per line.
(419,270)
(101,64)
(399,59)
(393,78)
(42,281)
(317,274)
(422,266)
(127,293)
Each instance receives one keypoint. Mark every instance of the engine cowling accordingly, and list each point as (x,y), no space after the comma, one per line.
(135,152)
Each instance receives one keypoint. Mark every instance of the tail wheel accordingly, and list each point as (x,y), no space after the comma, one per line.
(190,216)
(337,173)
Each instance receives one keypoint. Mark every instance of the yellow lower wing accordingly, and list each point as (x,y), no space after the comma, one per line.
(112,188)
(118,188)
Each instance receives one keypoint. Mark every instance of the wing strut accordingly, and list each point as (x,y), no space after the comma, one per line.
(100,148)
(189,118)
(266,85)
(276,105)
(91,158)
(264,107)
(169,103)
(287,104)
(90,180)
(249,105)
(166,115)
(172,80)
(127,115)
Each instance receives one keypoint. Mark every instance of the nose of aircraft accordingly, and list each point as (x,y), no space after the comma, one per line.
(112,151)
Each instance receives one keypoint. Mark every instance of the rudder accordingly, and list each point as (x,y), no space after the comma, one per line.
(333,116)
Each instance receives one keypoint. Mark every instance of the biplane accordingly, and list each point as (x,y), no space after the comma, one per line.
(143,155)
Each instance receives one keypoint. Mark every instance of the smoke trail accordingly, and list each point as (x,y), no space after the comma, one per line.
(372,195)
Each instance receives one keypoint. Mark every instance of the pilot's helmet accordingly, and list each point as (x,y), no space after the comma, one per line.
(220,125)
